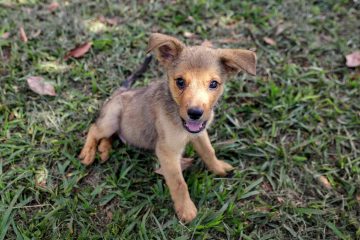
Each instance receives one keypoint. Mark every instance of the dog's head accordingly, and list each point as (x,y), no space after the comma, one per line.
(197,75)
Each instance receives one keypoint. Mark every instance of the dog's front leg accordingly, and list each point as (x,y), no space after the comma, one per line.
(207,153)
(170,163)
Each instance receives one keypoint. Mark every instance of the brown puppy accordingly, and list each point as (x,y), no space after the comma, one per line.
(167,115)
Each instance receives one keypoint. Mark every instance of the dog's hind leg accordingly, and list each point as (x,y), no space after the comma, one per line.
(104,127)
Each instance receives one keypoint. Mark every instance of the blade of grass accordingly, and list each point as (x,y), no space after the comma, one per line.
(5,220)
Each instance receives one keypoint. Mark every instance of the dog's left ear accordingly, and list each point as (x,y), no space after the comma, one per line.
(166,48)
(235,60)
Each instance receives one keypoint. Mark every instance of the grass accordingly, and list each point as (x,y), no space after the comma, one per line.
(286,130)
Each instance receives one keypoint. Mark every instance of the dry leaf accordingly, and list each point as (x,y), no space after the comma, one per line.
(7,4)
(78,51)
(5,35)
(184,163)
(95,25)
(23,36)
(6,53)
(232,24)
(190,18)
(207,43)
(269,41)
(53,6)
(112,21)
(189,35)
(38,85)
(262,209)
(358,197)
(324,182)
(41,176)
(35,34)
(280,199)
(280,28)
(355,76)
(27,10)
(109,21)
(12,116)
(109,215)
(70,227)
(353,59)
(266,187)
(228,40)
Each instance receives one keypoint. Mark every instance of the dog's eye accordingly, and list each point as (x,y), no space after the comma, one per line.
(180,83)
(214,84)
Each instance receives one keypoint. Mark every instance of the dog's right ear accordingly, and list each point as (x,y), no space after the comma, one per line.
(166,48)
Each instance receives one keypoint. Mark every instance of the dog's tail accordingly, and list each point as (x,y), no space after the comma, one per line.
(132,78)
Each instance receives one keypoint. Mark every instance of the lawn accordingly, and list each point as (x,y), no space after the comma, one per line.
(292,132)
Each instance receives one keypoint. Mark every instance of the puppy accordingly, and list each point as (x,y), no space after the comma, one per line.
(168,114)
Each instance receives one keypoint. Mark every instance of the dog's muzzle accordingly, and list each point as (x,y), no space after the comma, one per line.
(194,126)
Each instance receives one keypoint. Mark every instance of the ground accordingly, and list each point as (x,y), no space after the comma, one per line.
(292,132)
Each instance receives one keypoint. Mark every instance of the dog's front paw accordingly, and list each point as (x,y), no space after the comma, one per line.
(104,149)
(87,155)
(186,211)
(221,168)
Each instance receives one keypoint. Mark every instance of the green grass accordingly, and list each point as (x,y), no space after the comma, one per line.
(298,119)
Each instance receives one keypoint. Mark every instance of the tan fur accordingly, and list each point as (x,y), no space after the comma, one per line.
(153,117)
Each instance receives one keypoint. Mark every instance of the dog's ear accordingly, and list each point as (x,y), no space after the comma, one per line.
(166,48)
(235,60)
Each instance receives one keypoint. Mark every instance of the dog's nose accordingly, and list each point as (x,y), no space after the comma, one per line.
(195,113)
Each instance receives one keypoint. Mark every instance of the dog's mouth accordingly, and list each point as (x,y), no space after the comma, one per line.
(193,126)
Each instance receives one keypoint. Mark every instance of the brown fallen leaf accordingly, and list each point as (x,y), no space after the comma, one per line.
(37,84)
(5,35)
(22,34)
(207,43)
(109,21)
(324,182)
(269,41)
(358,197)
(184,163)
(78,51)
(353,59)
(53,6)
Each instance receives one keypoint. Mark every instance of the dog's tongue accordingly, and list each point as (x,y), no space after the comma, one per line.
(194,126)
